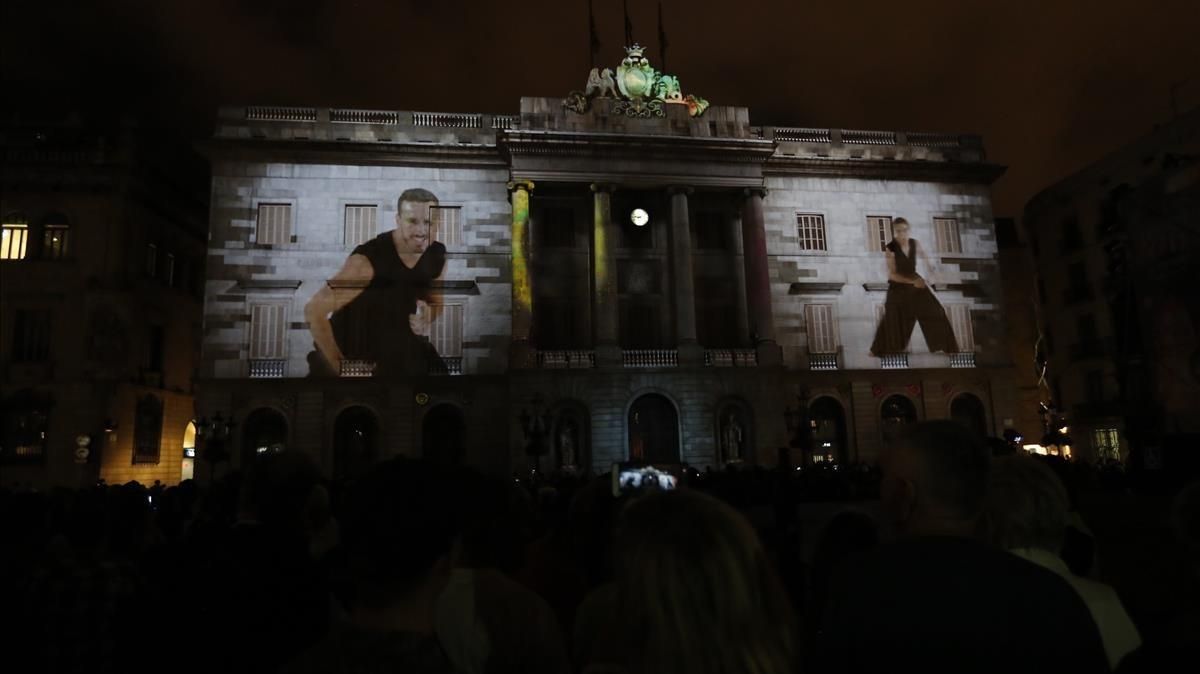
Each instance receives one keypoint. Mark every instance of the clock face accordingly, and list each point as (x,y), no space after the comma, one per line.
(639,217)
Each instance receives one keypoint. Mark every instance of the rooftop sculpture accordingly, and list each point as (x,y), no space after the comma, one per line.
(639,89)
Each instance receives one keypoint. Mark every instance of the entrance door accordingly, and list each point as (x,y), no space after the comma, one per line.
(653,430)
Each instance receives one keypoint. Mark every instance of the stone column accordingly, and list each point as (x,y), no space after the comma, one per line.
(690,352)
(604,278)
(520,353)
(758,281)
(741,313)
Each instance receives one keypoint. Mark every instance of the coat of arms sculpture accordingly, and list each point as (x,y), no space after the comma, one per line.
(639,89)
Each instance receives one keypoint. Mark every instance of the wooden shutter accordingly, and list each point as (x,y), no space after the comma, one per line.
(948,240)
(268,331)
(822,333)
(446,331)
(360,226)
(447,225)
(960,320)
(879,231)
(274,224)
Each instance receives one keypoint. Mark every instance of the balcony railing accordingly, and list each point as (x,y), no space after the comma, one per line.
(358,368)
(894,361)
(855,137)
(964,359)
(504,121)
(347,116)
(822,361)
(650,358)
(278,113)
(451,365)
(268,368)
(730,358)
(448,120)
(802,134)
(565,360)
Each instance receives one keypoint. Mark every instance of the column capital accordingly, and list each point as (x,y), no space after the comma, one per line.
(604,187)
(685,190)
(520,184)
(751,191)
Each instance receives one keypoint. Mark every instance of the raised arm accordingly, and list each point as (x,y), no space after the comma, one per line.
(338,291)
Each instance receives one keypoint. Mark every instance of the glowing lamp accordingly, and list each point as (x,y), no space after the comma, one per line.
(639,217)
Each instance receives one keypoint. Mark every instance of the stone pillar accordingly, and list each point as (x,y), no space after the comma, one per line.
(741,312)
(690,352)
(604,278)
(520,353)
(758,281)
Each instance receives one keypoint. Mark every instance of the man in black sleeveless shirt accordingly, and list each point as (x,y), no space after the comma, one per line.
(375,308)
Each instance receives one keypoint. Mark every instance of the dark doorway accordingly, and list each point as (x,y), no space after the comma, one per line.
(968,410)
(829,430)
(355,442)
(896,413)
(653,430)
(443,435)
(265,430)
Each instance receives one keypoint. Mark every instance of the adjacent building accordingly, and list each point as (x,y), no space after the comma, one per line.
(1115,246)
(627,274)
(101,281)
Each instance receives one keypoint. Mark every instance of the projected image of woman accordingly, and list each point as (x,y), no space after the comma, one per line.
(910,300)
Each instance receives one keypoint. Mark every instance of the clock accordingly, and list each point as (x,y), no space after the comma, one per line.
(639,217)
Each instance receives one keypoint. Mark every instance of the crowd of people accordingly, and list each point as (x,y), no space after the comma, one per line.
(947,556)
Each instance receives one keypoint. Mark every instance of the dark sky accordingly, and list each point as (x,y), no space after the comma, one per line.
(1051,85)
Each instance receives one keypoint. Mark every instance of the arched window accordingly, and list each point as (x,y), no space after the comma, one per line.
(14,236)
(355,442)
(968,410)
(443,435)
(188,466)
(653,430)
(829,430)
(265,430)
(55,231)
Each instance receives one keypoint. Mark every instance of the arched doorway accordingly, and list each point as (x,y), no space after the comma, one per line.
(653,430)
(968,410)
(895,413)
(188,468)
(265,430)
(735,432)
(829,430)
(572,438)
(443,435)
(355,442)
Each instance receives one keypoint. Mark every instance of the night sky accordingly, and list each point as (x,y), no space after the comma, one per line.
(1050,85)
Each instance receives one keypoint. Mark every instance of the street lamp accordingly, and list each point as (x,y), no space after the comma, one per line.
(213,436)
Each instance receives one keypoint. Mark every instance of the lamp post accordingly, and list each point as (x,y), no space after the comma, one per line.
(212,437)
(535,425)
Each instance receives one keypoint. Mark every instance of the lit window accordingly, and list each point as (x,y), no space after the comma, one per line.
(1107,443)
(13,240)
(274,224)
(879,231)
(54,238)
(946,230)
(447,225)
(810,229)
(822,332)
(361,224)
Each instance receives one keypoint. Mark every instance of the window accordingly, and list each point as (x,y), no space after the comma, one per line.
(267,331)
(557,228)
(879,231)
(1107,443)
(14,239)
(446,330)
(964,330)
(31,336)
(54,238)
(447,225)
(361,223)
(810,229)
(147,429)
(151,260)
(274,224)
(822,331)
(711,231)
(946,230)
(169,269)
(23,427)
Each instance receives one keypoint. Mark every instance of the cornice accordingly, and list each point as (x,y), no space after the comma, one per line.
(639,146)
(954,172)
(319,151)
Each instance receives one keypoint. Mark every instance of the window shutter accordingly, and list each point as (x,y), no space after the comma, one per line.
(274,224)
(267,331)
(948,240)
(879,229)
(960,320)
(447,225)
(822,333)
(446,331)
(361,224)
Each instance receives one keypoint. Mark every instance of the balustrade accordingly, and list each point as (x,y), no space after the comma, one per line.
(635,358)
(268,368)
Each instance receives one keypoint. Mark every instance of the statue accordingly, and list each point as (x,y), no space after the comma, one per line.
(593,83)
(731,438)
(566,443)
(639,89)
(608,86)
(666,89)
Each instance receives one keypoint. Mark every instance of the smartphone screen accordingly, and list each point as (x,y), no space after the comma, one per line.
(627,478)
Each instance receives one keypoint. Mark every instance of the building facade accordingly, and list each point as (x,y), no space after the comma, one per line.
(1114,246)
(622,279)
(101,266)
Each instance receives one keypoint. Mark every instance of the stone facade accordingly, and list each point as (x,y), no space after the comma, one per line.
(704,306)
(100,284)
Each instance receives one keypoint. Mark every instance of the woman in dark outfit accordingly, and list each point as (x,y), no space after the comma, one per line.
(909,301)
(369,310)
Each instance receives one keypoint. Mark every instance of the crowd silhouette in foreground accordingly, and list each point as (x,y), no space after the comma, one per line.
(949,556)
